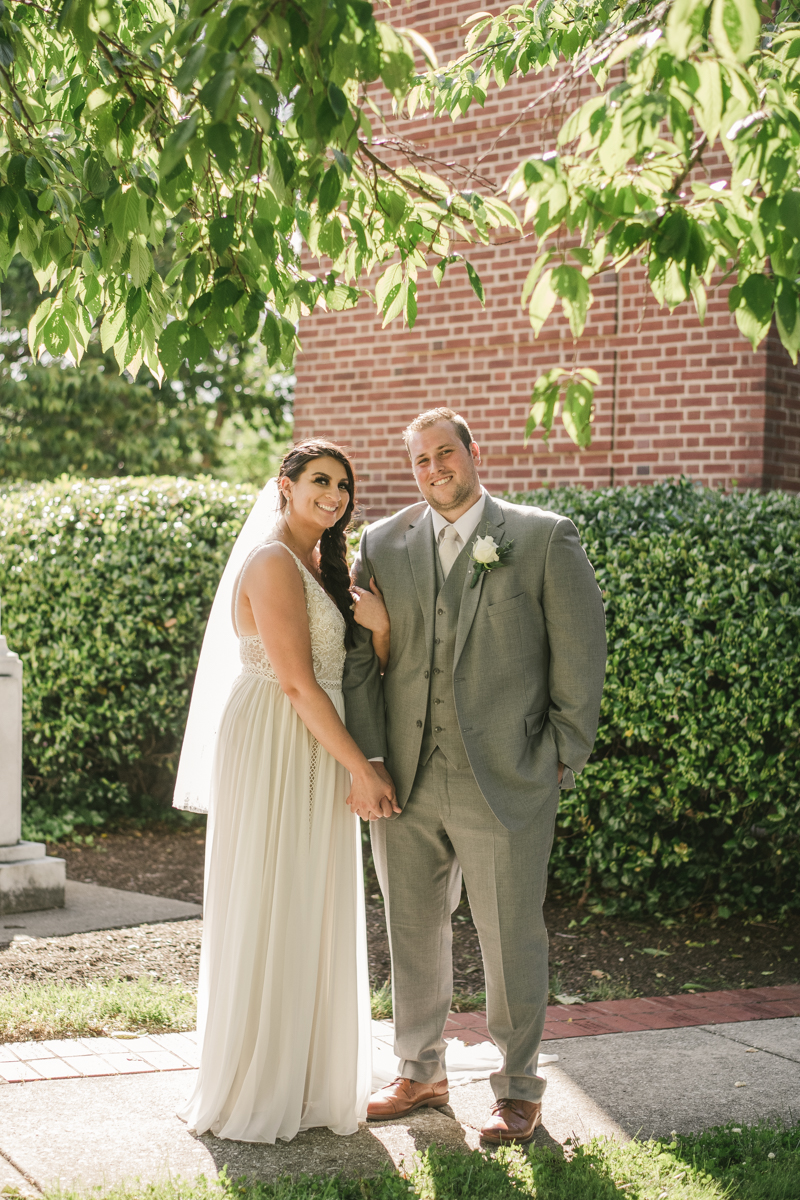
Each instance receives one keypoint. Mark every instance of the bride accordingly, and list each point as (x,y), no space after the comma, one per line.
(283,1003)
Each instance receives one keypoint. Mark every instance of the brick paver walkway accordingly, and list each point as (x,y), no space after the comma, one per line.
(24,1062)
(654,1012)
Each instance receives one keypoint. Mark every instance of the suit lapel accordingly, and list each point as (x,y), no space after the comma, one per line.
(419,543)
(491,522)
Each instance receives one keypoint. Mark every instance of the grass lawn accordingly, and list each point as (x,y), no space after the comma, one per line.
(729,1163)
(33,1012)
(37,1011)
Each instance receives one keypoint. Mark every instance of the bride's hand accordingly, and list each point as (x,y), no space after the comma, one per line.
(369,609)
(372,794)
(371,613)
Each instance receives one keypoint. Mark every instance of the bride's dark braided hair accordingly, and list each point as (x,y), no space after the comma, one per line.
(333,543)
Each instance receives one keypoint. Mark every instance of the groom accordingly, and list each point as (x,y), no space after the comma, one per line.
(490,702)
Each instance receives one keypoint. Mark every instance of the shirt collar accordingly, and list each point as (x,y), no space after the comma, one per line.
(466,524)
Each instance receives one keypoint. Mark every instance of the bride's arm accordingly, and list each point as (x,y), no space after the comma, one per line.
(370,612)
(274,589)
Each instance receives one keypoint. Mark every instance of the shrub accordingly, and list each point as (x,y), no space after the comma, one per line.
(106,588)
(692,795)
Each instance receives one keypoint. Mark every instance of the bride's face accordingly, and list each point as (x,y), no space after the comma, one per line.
(320,494)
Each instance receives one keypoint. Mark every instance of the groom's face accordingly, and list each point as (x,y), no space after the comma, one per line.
(446,470)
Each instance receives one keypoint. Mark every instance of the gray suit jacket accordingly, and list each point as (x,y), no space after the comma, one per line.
(529,657)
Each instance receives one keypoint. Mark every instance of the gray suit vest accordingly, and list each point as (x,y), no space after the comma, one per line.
(441,723)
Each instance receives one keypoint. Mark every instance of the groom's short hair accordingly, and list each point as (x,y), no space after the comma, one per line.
(432,417)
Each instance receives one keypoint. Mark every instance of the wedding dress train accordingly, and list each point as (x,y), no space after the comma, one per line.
(283,1002)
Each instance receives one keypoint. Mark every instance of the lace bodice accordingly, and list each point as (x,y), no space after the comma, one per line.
(327,637)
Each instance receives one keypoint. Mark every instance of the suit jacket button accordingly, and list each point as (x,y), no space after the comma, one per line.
(440,611)
(439,729)
(426,674)
(419,724)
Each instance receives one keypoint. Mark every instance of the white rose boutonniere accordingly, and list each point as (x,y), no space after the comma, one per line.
(487,555)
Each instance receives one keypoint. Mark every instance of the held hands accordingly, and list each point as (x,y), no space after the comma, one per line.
(372,793)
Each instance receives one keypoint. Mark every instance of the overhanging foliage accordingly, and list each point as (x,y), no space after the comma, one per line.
(218,137)
(669,83)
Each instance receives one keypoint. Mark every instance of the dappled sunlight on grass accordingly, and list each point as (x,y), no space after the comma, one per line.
(760,1163)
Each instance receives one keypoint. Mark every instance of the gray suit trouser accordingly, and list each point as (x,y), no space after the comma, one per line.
(447,828)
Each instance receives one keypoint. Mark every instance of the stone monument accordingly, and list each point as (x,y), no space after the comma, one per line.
(28,879)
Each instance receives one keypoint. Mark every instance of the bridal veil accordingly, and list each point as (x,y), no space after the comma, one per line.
(219,662)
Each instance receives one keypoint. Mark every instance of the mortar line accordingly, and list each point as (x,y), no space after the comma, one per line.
(761,1050)
(21,1171)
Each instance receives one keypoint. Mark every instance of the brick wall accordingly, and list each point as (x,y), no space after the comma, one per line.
(675,397)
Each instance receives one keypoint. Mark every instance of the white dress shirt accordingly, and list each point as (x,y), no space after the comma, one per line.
(465,526)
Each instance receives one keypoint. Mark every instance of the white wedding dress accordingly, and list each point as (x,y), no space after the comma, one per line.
(283,1004)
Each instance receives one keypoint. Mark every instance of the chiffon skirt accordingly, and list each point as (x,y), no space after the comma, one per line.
(283,1003)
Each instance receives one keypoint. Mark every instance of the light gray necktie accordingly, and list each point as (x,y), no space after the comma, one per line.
(449,548)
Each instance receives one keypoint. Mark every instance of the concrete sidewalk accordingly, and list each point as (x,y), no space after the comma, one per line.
(89,907)
(89,1132)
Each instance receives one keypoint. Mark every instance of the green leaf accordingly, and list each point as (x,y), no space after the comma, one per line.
(124,210)
(542,302)
(55,334)
(177,144)
(338,101)
(735,26)
(577,412)
(190,68)
(475,281)
(391,279)
(221,232)
(220,143)
(330,190)
(684,25)
(787,316)
(754,314)
(411,304)
(533,275)
(218,94)
(141,261)
(568,283)
(171,350)
(197,346)
(271,337)
(708,106)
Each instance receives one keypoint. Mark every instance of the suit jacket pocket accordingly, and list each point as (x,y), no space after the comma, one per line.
(504,606)
(534,722)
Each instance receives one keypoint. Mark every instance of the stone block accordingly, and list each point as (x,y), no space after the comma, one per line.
(32,884)
(22,851)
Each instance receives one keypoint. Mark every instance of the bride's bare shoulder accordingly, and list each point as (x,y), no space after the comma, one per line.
(274,563)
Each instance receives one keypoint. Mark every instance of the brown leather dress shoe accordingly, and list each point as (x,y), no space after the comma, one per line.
(402,1096)
(512,1121)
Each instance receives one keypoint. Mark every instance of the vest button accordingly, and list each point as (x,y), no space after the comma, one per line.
(436,671)
(426,674)
(439,729)
(436,641)
(437,702)
(419,724)
(440,611)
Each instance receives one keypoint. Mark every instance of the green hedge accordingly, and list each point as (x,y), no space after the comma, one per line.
(106,586)
(692,795)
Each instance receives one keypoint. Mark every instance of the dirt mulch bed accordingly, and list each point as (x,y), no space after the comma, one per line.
(604,957)
(169,952)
